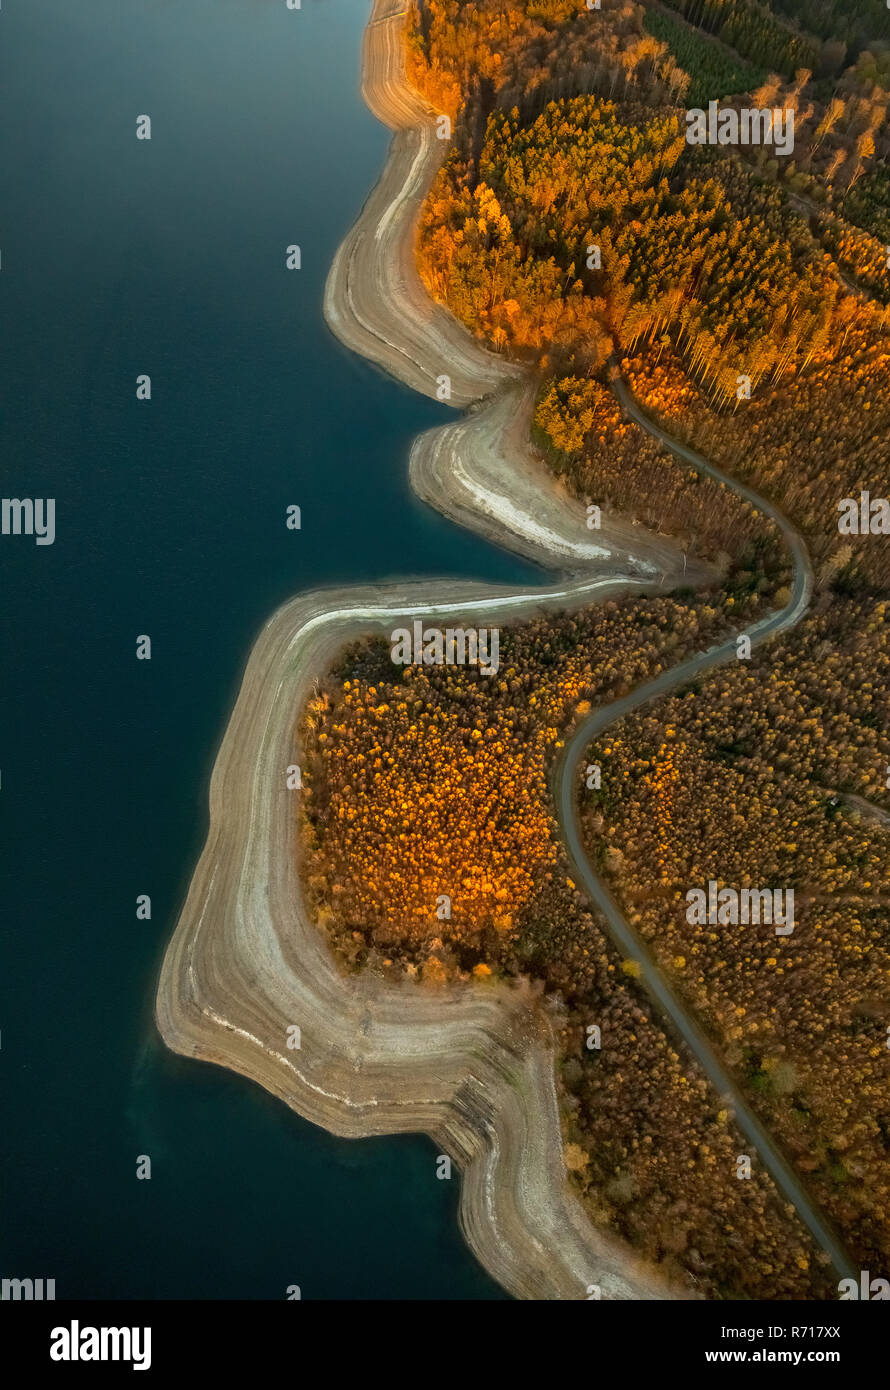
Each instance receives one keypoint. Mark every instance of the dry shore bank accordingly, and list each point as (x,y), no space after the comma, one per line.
(482,470)
(473,1067)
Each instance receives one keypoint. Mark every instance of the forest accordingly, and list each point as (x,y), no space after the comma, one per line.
(713,70)
(572,228)
(816,440)
(775,772)
(686,246)
(579,222)
(438,775)
(606,459)
(754,31)
(422,781)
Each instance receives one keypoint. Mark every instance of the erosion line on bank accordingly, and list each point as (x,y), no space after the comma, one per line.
(472,1066)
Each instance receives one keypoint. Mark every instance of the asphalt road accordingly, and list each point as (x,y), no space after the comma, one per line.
(567,780)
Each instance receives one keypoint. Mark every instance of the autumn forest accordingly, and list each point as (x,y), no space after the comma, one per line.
(743,300)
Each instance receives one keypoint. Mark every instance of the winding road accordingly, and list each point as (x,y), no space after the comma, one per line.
(566,782)
(473,1067)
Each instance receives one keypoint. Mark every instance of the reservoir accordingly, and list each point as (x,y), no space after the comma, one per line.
(122,258)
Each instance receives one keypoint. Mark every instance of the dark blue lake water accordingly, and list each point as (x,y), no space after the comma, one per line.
(167,257)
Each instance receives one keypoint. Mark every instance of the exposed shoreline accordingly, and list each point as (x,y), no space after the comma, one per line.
(472,1066)
(481,470)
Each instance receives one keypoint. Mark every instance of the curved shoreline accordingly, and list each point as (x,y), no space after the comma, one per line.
(472,1066)
(374,301)
(480,471)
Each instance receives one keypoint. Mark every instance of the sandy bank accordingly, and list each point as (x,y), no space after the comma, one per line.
(374,301)
(481,470)
(472,1067)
